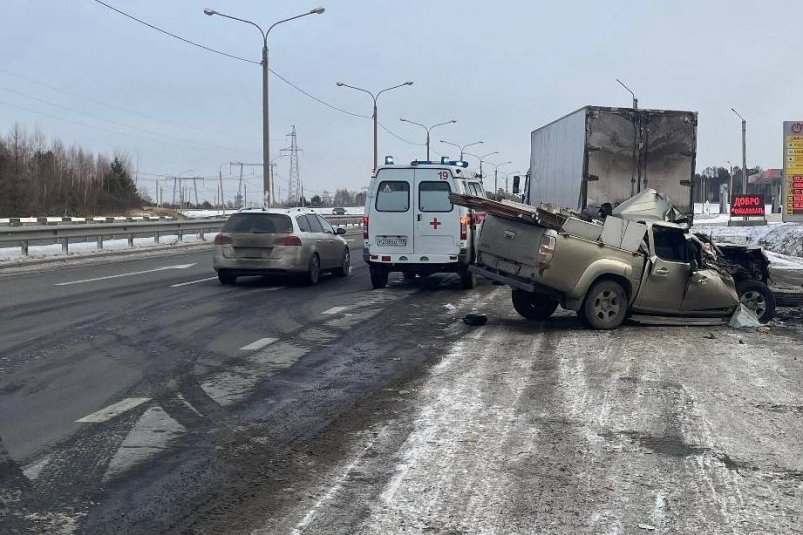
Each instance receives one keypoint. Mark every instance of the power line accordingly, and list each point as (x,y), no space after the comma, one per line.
(115,107)
(193,43)
(386,129)
(59,118)
(116,123)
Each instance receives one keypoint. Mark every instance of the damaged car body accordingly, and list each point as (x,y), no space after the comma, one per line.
(640,263)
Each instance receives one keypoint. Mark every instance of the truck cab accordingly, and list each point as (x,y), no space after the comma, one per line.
(411,226)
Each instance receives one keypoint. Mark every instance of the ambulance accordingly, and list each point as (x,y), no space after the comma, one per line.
(410,226)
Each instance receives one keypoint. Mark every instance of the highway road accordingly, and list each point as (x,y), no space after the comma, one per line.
(138,395)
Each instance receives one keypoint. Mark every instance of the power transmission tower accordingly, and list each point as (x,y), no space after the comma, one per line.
(294,180)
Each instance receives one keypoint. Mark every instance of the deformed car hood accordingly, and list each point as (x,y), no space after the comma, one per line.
(649,205)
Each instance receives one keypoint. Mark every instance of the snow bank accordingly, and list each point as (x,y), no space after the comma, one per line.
(13,255)
(783,238)
(193,214)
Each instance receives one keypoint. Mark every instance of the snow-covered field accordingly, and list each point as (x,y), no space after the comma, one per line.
(783,238)
(13,255)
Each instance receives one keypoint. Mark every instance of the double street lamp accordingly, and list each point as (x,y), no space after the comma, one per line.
(482,158)
(375,116)
(266,182)
(428,129)
(461,147)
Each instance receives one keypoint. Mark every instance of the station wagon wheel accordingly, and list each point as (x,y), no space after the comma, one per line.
(314,272)
(756,296)
(345,265)
(605,306)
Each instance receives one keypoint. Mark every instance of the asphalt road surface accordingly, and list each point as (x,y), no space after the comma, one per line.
(138,395)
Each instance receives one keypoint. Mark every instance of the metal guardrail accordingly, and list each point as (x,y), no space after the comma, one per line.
(24,235)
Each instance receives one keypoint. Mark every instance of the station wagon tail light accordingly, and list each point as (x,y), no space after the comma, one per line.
(546,250)
(223,239)
(365,227)
(464,222)
(291,241)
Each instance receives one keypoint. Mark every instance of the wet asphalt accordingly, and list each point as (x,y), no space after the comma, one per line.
(271,407)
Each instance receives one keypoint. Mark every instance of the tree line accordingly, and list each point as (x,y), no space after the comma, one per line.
(41,178)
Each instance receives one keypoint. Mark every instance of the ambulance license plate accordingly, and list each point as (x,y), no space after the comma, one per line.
(391,241)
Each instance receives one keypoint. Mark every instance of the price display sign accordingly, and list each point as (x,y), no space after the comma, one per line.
(793,171)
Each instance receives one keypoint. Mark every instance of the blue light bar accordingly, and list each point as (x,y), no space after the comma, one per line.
(444,161)
(389,160)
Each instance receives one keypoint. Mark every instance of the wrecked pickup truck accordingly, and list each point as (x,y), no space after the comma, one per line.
(638,263)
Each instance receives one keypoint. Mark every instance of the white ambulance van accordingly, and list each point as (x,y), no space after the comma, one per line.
(410,226)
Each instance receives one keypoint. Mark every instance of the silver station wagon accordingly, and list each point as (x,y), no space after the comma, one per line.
(280,241)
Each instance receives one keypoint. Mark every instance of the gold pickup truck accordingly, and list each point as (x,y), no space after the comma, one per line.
(634,266)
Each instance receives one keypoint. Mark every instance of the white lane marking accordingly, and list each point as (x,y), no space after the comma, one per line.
(258,344)
(334,310)
(112,410)
(180,266)
(180,284)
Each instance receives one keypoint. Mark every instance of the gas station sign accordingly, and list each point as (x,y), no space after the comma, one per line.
(793,170)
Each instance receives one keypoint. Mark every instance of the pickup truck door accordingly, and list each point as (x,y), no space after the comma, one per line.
(667,272)
(707,290)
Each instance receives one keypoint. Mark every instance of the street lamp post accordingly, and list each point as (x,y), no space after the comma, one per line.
(482,159)
(744,151)
(427,128)
(496,176)
(730,184)
(266,185)
(463,147)
(375,116)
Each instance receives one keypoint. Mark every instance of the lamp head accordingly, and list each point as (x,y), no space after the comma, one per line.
(210,12)
(317,10)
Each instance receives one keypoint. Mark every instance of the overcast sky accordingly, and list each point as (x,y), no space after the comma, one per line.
(501,69)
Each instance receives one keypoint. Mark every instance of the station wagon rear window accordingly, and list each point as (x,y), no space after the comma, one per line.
(434,197)
(393,196)
(259,223)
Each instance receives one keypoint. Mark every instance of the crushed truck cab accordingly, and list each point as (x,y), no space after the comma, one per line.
(637,264)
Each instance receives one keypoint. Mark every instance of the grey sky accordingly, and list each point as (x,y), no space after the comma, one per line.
(500,68)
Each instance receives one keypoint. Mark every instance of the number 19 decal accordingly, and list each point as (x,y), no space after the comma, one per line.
(444,175)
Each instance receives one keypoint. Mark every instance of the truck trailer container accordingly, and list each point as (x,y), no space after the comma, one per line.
(597,157)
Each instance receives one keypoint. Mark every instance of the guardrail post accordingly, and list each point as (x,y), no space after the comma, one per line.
(100,242)
(202,234)
(24,245)
(180,235)
(130,240)
(156,237)
(65,245)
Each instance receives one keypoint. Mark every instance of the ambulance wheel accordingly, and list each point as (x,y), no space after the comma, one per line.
(379,277)
(468,279)
(532,306)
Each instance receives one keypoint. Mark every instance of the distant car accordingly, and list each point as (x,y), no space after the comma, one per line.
(275,241)
(338,211)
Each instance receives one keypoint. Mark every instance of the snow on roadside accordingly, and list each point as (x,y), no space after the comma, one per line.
(194,214)
(783,238)
(14,256)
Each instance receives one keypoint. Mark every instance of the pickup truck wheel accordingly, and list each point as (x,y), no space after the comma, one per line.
(532,306)
(605,306)
(379,277)
(468,279)
(757,297)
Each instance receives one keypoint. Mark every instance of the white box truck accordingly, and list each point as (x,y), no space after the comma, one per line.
(597,157)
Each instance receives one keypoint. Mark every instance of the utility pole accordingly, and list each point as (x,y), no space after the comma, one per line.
(744,150)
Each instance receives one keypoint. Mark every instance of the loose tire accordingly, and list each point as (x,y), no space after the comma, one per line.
(313,274)
(468,279)
(757,297)
(379,277)
(532,306)
(225,277)
(605,306)
(345,265)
